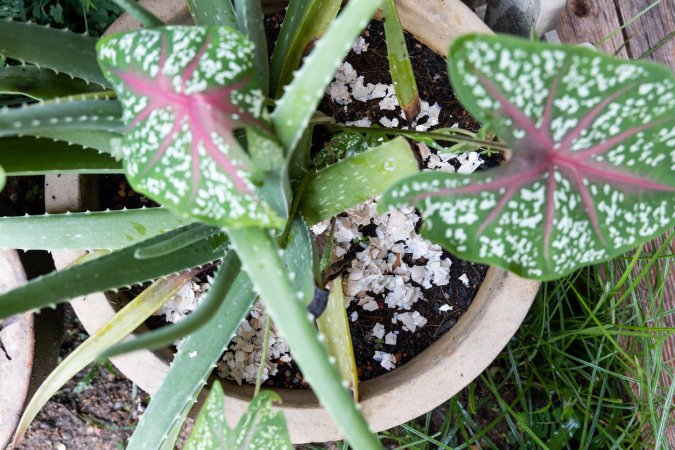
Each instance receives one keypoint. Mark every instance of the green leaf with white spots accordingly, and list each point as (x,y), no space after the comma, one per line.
(259,427)
(184,91)
(593,158)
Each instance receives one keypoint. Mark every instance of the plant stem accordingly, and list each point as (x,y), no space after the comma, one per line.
(446,135)
(261,259)
(263,356)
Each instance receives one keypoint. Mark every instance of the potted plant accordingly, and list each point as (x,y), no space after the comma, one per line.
(505,209)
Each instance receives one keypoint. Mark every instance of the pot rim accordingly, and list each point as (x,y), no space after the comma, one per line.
(429,379)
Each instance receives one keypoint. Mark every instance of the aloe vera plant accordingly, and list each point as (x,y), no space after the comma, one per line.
(589,175)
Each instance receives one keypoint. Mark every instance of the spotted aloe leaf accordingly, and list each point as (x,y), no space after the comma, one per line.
(185,90)
(592,166)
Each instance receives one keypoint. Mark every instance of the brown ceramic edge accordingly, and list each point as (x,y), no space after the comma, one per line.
(394,398)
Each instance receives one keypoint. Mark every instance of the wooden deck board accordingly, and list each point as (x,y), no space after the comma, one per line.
(590,21)
(649,29)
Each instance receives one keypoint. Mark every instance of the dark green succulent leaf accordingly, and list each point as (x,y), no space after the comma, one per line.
(111,271)
(101,140)
(183,100)
(304,22)
(62,51)
(41,83)
(299,259)
(86,230)
(190,368)
(213,12)
(31,156)
(592,169)
(250,19)
(3,178)
(344,145)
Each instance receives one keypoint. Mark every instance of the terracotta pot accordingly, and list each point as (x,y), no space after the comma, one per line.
(31,341)
(428,380)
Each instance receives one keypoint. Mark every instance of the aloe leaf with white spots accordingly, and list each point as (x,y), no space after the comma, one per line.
(593,158)
(184,91)
(99,230)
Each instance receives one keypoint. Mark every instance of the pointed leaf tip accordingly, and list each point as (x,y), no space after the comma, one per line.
(591,175)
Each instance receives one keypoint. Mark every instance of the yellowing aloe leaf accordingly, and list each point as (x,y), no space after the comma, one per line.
(334,325)
(124,322)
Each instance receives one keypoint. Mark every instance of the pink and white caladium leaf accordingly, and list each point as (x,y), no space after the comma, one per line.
(592,165)
(184,92)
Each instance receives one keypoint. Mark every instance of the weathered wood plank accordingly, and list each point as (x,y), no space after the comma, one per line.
(590,21)
(649,29)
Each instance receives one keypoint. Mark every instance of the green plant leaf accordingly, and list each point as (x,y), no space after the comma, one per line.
(399,62)
(190,368)
(304,22)
(260,258)
(213,12)
(250,19)
(591,174)
(299,259)
(111,271)
(125,322)
(61,114)
(334,325)
(293,111)
(101,140)
(62,51)
(3,178)
(104,230)
(259,427)
(41,83)
(31,156)
(356,179)
(145,17)
(182,102)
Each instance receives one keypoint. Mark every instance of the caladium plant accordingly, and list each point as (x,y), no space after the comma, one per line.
(185,91)
(590,174)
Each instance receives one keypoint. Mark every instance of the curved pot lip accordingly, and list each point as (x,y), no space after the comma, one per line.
(19,341)
(435,375)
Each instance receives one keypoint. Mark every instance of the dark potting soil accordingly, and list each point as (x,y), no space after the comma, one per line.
(434,86)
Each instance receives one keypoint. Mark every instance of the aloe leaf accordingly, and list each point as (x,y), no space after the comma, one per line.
(182,102)
(190,368)
(60,114)
(260,258)
(260,427)
(334,325)
(296,106)
(591,174)
(224,278)
(250,19)
(111,271)
(213,12)
(299,259)
(119,327)
(145,17)
(3,178)
(356,179)
(304,22)
(399,62)
(62,51)
(100,140)
(40,83)
(87,230)
(31,156)
(186,237)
